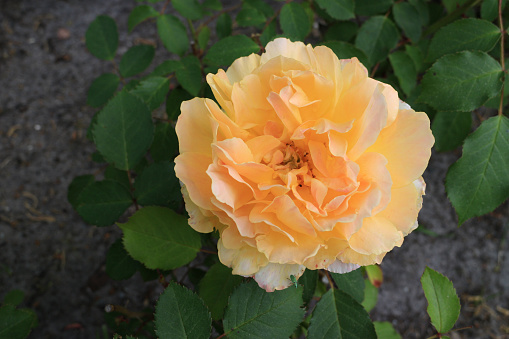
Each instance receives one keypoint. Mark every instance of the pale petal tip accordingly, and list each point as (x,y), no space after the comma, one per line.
(277,276)
(340,267)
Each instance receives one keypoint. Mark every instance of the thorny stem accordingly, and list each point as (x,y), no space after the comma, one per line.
(213,17)
(502,61)
(132,190)
(128,313)
(451,17)
(164,7)
(439,335)
(115,66)
(330,279)
(162,279)
(207,251)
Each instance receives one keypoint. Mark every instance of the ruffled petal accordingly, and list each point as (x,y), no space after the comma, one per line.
(245,261)
(406,144)
(291,50)
(406,202)
(199,219)
(376,236)
(351,256)
(340,267)
(241,67)
(277,276)
(191,169)
(194,129)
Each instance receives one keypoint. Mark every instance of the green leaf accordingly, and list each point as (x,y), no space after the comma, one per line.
(166,67)
(119,264)
(404,69)
(102,89)
(370,296)
(443,303)
(103,202)
(180,313)
(203,37)
(479,181)
(165,144)
(407,17)
(252,312)
(489,9)
(461,35)
(102,37)
(250,16)
(345,50)
(384,330)
(370,7)
(377,36)
(351,283)
(216,287)
(76,186)
(189,74)
(140,14)
(308,281)
(338,315)
(342,31)
(224,26)
(214,5)
(423,8)
(175,99)
(189,9)
(417,57)
(338,9)
(157,185)
(461,82)
(14,297)
(124,130)
(450,129)
(15,323)
(227,50)
(115,174)
(173,34)
(136,60)
(152,91)
(268,34)
(160,238)
(294,21)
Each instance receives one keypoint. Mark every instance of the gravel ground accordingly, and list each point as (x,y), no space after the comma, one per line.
(47,251)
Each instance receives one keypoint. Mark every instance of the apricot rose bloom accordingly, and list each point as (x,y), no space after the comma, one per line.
(309,163)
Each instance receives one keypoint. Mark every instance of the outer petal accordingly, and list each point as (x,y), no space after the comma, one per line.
(194,128)
(191,169)
(376,236)
(351,256)
(340,267)
(405,205)
(292,50)
(245,261)
(242,67)
(199,219)
(407,146)
(277,276)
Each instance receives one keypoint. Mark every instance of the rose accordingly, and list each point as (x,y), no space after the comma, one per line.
(309,164)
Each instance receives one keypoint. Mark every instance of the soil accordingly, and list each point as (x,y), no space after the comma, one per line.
(47,251)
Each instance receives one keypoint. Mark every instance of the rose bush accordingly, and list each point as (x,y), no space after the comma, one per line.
(309,163)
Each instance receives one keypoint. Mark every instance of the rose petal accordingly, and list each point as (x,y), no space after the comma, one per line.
(245,261)
(195,120)
(277,276)
(406,144)
(199,219)
(191,169)
(404,207)
(376,236)
(340,267)
(243,66)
